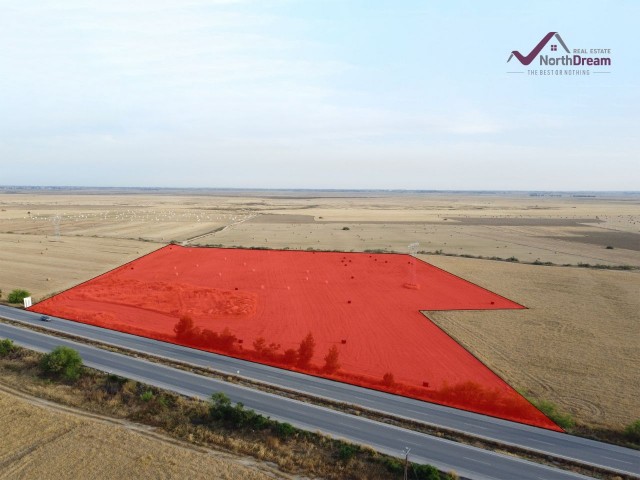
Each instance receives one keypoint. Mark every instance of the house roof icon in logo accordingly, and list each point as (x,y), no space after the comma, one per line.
(526,60)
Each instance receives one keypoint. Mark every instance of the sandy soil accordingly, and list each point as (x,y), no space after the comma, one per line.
(41,440)
(576,345)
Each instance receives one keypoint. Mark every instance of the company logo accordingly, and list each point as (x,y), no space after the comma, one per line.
(578,57)
(538,48)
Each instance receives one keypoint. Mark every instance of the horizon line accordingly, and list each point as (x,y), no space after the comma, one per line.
(291,189)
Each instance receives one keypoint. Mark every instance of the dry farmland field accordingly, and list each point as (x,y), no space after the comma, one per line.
(577,344)
(42,440)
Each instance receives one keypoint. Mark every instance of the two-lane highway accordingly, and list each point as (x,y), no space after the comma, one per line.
(576,448)
(469,462)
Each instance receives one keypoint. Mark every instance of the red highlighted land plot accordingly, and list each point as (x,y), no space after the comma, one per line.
(351,317)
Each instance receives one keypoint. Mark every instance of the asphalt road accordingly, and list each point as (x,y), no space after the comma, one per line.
(469,462)
(558,444)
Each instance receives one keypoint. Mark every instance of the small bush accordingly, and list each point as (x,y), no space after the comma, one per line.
(632,432)
(6,347)
(393,465)
(550,409)
(426,472)
(537,261)
(184,329)
(147,396)
(236,415)
(219,401)
(113,384)
(609,247)
(347,451)
(285,430)
(18,295)
(388,379)
(62,361)
(346,228)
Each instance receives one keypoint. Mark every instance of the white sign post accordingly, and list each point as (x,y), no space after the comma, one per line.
(27,302)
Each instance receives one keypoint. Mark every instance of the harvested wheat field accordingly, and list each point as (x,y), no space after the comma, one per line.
(259,304)
(41,440)
(46,266)
(577,344)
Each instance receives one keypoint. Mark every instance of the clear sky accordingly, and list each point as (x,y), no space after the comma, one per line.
(314,94)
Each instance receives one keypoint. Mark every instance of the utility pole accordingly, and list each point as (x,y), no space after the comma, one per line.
(405,452)
(412,282)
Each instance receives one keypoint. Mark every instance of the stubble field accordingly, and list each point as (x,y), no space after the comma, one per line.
(41,440)
(361,313)
(576,345)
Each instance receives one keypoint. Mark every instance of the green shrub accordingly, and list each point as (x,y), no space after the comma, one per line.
(260,422)
(6,347)
(632,432)
(393,465)
(426,472)
(18,295)
(236,415)
(62,361)
(285,430)
(219,400)
(146,396)
(347,451)
(550,409)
